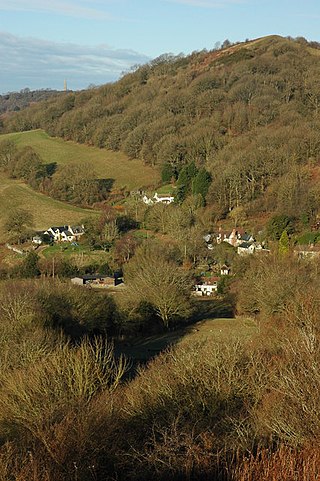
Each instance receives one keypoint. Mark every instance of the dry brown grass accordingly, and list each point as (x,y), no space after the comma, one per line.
(284,464)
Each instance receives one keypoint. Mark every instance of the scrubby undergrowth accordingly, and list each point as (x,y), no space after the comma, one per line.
(245,410)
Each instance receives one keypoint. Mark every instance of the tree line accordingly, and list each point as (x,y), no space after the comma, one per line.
(76,183)
(16,101)
(247,114)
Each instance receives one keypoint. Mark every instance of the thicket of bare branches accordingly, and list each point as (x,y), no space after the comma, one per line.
(245,410)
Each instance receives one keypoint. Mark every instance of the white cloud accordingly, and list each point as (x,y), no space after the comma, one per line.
(36,63)
(71,8)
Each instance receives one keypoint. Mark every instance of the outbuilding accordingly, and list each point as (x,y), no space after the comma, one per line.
(95,280)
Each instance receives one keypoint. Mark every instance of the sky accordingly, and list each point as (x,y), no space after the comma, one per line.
(93,42)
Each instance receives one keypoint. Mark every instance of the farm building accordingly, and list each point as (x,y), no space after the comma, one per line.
(95,280)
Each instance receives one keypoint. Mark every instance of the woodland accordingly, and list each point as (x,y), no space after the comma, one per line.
(236,132)
(15,101)
(248,114)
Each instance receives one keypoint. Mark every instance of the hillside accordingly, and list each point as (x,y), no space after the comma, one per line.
(15,101)
(123,173)
(203,364)
(45,210)
(107,164)
(248,114)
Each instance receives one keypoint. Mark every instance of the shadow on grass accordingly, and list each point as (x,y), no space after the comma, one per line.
(205,308)
(141,350)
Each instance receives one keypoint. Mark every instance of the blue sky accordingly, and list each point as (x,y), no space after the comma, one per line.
(42,42)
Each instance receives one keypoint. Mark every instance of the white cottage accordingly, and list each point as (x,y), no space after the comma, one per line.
(163,198)
(65,233)
(207,286)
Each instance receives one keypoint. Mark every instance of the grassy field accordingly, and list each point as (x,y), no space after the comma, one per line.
(107,164)
(209,330)
(166,189)
(45,210)
(81,254)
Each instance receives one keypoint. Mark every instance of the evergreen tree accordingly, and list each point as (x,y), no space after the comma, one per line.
(201,183)
(30,266)
(191,171)
(185,181)
(284,243)
(167,173)
(277,224)
(182,185)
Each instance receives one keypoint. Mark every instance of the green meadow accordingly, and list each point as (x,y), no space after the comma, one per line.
(129,173)
(45,210)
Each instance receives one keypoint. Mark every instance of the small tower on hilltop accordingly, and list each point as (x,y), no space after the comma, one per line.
(65,87)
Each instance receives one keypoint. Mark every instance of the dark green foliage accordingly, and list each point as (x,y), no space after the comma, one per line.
(167,173)
(185,181)
(249,115)
(279,223)
(126,223)
(46,239)
(181,194)
(308,238)
(50,169)
(201,183)
(65,268)
(30,266)
(223,285)
(104,268)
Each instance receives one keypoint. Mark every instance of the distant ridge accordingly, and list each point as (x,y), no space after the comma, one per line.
(16,101)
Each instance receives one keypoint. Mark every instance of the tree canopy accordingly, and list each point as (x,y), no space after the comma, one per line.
(246,115)
(154,277)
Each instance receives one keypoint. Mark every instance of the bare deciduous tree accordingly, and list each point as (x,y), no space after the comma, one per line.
(153,277)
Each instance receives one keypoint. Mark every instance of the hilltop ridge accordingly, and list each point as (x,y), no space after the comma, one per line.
(248,113)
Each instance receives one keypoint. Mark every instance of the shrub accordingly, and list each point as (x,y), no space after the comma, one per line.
(50,415)
(75,310)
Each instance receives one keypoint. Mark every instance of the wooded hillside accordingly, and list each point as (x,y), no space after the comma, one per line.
(15,101)
(248,114)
